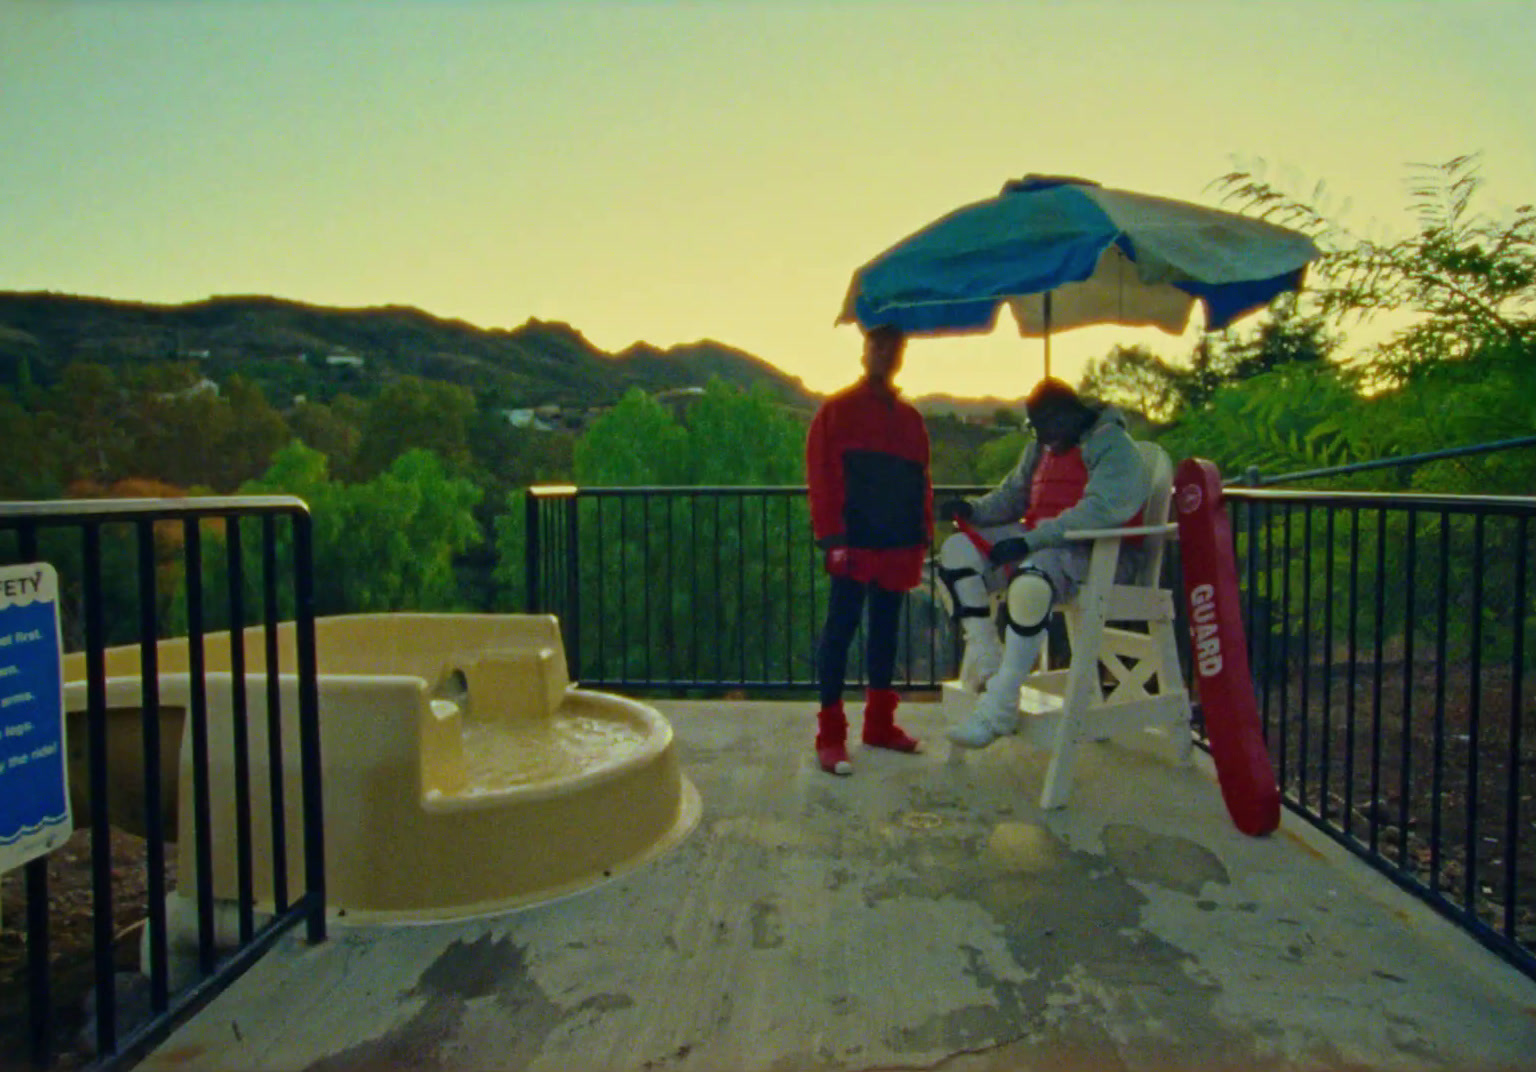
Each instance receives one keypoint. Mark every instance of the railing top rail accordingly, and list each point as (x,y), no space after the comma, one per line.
(668,489)
(1249,477)
(139,509)
(566,491)
(1396,500)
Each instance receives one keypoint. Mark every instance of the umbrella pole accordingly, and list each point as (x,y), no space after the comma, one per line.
(1047,334)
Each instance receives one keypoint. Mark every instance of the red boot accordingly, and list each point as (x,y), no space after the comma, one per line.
(880,729)
(832,740)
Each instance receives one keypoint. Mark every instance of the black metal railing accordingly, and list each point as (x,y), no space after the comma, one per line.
(1253,478)
(1392,638)
(702,589)
(133,573)
(1391,641)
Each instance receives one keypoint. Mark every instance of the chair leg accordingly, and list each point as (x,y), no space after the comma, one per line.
(1081,691)
(1169,678)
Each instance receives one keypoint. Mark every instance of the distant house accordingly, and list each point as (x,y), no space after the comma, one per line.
(678,399)
(201,387)
(527,418)
(344,361)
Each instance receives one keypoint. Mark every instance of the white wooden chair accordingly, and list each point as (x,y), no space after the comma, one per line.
(1124,676)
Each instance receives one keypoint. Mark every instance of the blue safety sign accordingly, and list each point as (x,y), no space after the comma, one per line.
(34,780)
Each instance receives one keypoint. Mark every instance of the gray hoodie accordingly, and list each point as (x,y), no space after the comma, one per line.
(1118,485)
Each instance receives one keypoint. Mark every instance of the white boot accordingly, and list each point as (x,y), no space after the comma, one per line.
(996,713)
(983,653)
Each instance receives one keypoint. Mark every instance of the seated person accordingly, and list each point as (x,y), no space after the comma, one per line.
(1082,470)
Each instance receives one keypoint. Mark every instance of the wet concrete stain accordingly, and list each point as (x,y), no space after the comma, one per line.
(485,969)
(767,927)
(1173,863)
(1071,923)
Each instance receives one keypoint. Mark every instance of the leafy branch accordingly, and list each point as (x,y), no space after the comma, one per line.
(1470,278)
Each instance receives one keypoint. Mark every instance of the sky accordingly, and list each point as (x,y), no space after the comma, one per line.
(668,171)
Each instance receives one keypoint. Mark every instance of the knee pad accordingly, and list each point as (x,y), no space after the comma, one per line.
(958,552)
(961,609)
(1030,597)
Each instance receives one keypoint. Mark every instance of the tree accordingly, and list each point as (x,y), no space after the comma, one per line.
(1469,279)
(1463,370)
(403,530)
(93,418)
(1283,337)
(328,429)
(635,443)
(190,434)
(384,545)
(30,453)
(253,433)
(996,459)
(739,548)
(1134,377)
(1278,421)
(412,413)
(742,437)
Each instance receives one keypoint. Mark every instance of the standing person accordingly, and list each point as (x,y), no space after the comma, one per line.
(1082,470)
(866,461)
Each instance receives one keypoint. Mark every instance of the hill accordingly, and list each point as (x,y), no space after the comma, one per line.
(972,409)
(291,348)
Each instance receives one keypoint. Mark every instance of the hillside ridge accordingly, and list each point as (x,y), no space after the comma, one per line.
(288,345)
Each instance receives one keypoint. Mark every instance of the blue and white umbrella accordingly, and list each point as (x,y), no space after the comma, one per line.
(1066,253)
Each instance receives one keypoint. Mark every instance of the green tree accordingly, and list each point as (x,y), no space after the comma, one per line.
(1468,278)
(996,459)
(1460,371)
(196,437)
(742,437)
(1133,377)
(412,413)
(94,420)
(328,429)
(688,573)
(386,544)
(635,443)
(403,530)
(30,452)
(253,433)
(1279,421)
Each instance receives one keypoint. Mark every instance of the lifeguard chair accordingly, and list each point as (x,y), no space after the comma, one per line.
(1124,675)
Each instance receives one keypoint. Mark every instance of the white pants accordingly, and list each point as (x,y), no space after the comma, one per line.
(1066,567)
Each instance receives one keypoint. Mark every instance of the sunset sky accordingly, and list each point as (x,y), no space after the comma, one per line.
(670,171)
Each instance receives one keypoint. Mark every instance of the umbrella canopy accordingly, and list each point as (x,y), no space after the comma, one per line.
(1066,253)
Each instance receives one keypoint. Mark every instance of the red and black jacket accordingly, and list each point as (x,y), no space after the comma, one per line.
(866,462)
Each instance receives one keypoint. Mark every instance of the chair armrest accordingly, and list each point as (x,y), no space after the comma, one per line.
(1170,528)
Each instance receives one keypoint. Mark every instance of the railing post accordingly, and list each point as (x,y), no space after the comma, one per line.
(531,551)
(309,723)
(572,614)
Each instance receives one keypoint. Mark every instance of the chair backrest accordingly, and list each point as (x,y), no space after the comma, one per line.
(1159,498)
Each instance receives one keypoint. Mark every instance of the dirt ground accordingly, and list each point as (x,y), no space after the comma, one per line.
(71,927)
(1427,807)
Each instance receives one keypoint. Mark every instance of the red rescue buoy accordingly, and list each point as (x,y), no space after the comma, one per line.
(1219,650)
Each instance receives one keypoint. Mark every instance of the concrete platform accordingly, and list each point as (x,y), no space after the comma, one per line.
(923,913)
